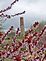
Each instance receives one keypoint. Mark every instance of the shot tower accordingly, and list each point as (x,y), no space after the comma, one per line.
(1,26)
(22,24)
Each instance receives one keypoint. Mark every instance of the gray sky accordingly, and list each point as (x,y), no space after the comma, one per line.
(35,11)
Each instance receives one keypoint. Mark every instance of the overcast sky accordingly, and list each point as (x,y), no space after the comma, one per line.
(35,11)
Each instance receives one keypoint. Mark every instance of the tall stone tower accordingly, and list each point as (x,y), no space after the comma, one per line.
(22,24)
(1,27)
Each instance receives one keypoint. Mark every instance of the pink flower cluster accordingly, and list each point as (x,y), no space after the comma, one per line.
(27,49)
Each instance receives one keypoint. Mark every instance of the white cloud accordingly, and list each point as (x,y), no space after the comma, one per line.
(35,6)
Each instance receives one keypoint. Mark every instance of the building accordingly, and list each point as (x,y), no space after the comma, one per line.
(22,24)
(1,27)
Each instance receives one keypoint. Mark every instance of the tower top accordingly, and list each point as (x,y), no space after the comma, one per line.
(21,17)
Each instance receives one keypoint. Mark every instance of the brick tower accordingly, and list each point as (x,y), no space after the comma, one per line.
(22,24)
